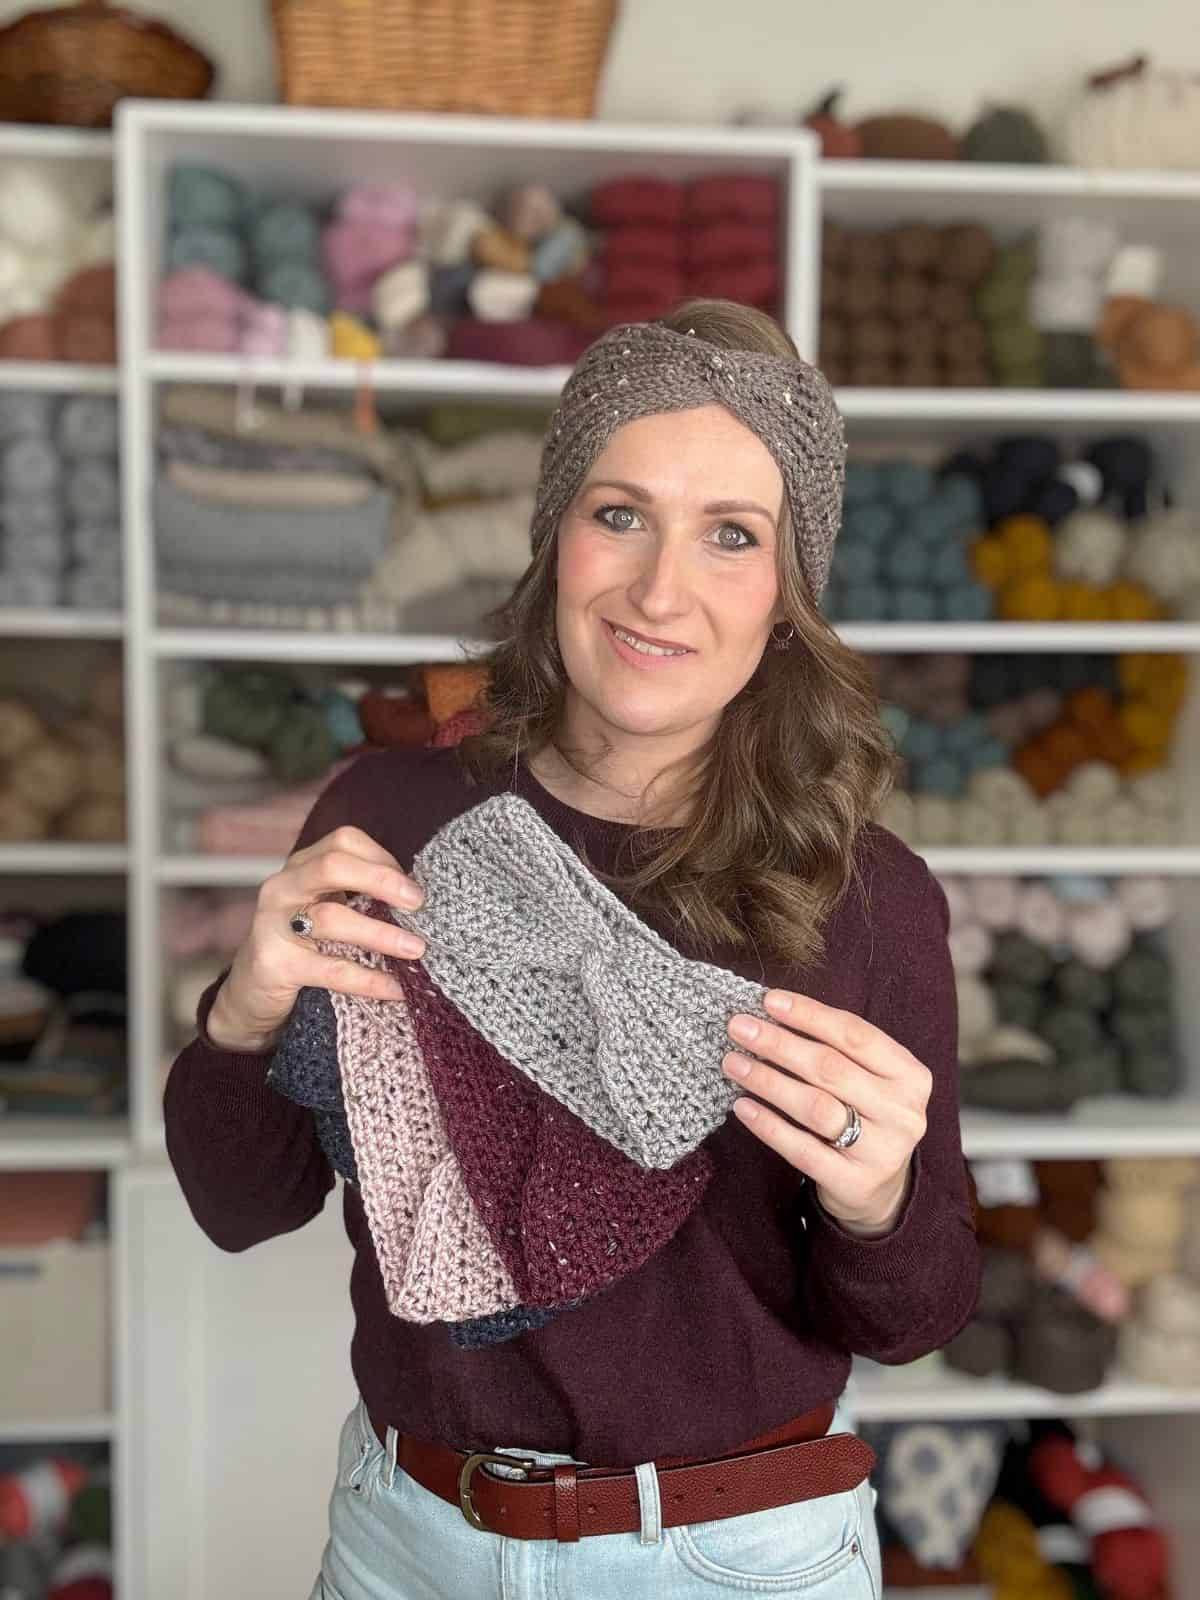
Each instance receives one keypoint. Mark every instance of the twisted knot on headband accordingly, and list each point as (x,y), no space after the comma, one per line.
(643,369)
(572,987)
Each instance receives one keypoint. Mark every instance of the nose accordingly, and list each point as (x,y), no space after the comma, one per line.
(660,588)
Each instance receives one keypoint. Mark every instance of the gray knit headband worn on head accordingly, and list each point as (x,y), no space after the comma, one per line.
(643,369)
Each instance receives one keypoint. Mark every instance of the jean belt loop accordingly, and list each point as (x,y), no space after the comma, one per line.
(393,1442)
(649,1502)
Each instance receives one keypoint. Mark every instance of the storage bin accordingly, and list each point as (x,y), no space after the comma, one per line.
(54,1331)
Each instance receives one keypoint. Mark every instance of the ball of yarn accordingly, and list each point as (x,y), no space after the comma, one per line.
(302,745)
(976,1011)
(1061,1346)
(1083,987)
(994,901)
(1016,958)
(1089,546)
(1018,1005)
(1098,934)
(1040,914)
(936,820)
(1009,1042)
(982,1349)
(246,706)
(394,720)
(970,947)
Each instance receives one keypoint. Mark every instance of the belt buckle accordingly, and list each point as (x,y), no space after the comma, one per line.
(484,1458)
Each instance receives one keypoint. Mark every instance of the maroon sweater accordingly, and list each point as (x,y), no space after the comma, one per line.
(750,1314)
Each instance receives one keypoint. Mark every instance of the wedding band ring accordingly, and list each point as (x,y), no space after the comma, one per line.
(850,1133)
(301,923)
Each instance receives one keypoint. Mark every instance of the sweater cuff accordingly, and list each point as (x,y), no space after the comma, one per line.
(250,1065)
(891,1256)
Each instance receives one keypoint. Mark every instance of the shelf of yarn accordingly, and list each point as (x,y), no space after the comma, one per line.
(1065,291)
(1025,530)
(57,1143)
(60,512)
(375,251)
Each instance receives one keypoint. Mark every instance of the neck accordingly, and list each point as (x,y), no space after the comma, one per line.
(615,775)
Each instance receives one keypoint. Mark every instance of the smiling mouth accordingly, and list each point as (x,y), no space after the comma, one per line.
(647,647)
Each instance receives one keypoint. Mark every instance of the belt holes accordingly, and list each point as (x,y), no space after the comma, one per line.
(720,1489)
(591,1511)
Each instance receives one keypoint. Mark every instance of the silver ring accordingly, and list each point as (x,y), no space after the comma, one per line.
(850,1133)
(301,923)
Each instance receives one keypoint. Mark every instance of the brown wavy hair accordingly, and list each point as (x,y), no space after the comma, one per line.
(776,800)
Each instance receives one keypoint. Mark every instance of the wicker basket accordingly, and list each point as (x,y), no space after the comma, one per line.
(72,66)
(528,58)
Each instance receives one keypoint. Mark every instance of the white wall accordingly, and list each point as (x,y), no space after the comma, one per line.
(702,60)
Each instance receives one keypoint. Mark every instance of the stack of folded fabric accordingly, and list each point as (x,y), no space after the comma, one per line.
(665,240)
(298,513)
(59,501)
(57,284)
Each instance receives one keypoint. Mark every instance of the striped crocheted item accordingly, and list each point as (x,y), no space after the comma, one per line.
(490,1206)
(572,987)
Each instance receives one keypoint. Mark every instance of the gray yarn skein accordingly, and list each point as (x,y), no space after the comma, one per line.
(571,987)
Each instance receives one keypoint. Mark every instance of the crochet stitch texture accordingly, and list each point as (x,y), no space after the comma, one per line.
(642,369)
(572,987)
(565,1215)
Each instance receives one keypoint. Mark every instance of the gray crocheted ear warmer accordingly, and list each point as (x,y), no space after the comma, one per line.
(643,368)
(571,987)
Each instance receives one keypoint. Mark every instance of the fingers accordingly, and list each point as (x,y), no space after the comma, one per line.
(338,871)
(854,1036)
(815,1068)
(339,924)
(824,1113)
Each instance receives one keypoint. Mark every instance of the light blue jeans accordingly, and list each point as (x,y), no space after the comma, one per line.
(391,1539)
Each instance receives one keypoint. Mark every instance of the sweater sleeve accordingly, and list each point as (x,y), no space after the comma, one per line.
(248,1160)
(903,1295)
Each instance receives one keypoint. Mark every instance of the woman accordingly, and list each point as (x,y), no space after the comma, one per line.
(670,703)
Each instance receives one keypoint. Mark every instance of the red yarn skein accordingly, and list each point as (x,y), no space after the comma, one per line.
(1128,1553)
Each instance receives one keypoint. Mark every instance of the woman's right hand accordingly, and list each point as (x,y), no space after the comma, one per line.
(274,964)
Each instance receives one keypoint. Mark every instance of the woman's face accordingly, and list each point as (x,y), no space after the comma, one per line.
(670,545)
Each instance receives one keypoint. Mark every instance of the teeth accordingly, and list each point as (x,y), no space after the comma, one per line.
(643,647)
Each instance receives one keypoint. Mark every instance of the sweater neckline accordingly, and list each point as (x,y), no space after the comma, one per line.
(564,818)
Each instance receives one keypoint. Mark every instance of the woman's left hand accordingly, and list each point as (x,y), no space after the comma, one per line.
(835,1060)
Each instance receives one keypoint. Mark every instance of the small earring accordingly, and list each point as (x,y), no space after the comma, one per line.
(782,640)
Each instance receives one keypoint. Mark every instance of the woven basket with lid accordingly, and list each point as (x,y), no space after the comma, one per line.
(72,65)
(527,58)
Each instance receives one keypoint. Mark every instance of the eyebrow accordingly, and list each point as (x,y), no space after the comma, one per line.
(715,508)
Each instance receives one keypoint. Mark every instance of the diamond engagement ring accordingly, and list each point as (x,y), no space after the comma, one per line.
(849,1134)
(301,923)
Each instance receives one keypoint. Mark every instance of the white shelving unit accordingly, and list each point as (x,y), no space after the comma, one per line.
(186,1315)
(35,1143)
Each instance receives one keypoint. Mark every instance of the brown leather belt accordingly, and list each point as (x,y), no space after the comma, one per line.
(798,1461)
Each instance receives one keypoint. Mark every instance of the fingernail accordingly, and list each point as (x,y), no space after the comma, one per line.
(746,1109)
(743,1028)
(777,1000)
(736,1066)
(411,900)
(411,949)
